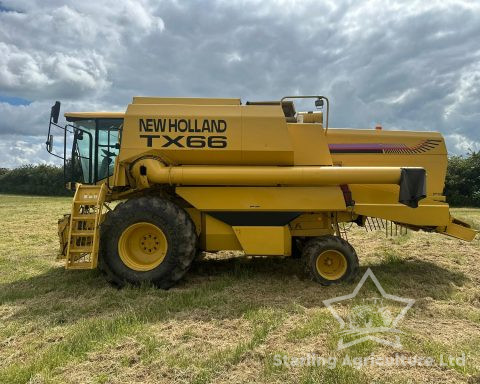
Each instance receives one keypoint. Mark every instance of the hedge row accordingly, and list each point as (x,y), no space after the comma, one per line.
(45,180)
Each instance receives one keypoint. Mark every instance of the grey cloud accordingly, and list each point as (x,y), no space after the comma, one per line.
(32,119)
(52,51)
(405,65)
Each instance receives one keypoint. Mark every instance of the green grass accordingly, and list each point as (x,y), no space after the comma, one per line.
(320,321)
(229,317)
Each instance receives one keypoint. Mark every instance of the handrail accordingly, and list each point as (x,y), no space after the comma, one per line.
(312,97)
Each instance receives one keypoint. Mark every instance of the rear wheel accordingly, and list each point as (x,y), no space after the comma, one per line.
(330,260)
(148,239)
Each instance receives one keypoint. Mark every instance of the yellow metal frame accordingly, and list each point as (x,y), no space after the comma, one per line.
(217,155)
(459,229)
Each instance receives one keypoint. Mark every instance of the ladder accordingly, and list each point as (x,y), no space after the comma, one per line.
(83,234)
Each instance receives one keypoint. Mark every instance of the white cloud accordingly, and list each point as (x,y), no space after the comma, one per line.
(58,74)
(20,150)
(461,144)
(50,51)
(233,57)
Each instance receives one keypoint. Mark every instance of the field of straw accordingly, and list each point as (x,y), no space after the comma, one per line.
(232,319)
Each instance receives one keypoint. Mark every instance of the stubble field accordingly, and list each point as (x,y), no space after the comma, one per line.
(231,318)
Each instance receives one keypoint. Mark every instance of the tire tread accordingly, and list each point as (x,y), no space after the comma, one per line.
(151,208)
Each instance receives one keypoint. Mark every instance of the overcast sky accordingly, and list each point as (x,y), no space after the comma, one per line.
(406,65)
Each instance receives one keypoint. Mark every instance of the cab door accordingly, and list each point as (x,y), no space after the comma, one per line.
(95,147)
(107,147)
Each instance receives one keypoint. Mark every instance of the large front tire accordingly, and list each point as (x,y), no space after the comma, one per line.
(148,239)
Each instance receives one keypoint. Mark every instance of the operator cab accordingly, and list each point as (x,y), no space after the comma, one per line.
(96,145)
(94,141)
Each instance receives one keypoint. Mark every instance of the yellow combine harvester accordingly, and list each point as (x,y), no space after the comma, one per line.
(196,174)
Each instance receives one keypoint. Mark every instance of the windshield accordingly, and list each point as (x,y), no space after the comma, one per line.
(96,147)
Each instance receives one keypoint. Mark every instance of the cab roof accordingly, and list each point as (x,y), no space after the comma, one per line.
(74,116)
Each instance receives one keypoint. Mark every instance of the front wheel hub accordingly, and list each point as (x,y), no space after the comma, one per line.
(142,246)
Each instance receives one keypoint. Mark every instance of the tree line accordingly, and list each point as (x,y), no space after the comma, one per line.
(462,185)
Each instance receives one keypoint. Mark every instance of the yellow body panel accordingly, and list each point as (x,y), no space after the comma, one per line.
(312,224)
(265,138)
(309,144)
(208,134)
(217,236)
(264,240)
(413,152)
(382,201)
(149,129)
(263,198)
(428,215)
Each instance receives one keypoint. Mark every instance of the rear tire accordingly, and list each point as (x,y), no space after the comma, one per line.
(330,260)
(130,235)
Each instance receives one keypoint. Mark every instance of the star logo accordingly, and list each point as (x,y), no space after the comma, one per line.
(372,319)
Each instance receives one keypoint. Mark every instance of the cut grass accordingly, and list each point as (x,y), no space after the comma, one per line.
(319,321)
(229,318)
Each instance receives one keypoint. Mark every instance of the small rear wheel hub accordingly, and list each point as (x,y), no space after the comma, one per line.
(331,264)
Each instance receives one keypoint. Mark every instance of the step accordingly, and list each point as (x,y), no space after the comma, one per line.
(81,249)
(80,265)
(85,216)
(86,186)
(87,233)
(87,202)
(83,240)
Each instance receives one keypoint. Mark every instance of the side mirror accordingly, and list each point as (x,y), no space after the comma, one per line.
(55,112)
(319,103)
(79,135)
(49,143)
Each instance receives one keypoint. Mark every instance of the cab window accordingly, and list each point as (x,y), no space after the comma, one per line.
(108,146)
(96,147)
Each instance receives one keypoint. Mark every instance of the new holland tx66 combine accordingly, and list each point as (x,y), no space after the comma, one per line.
(198,175)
